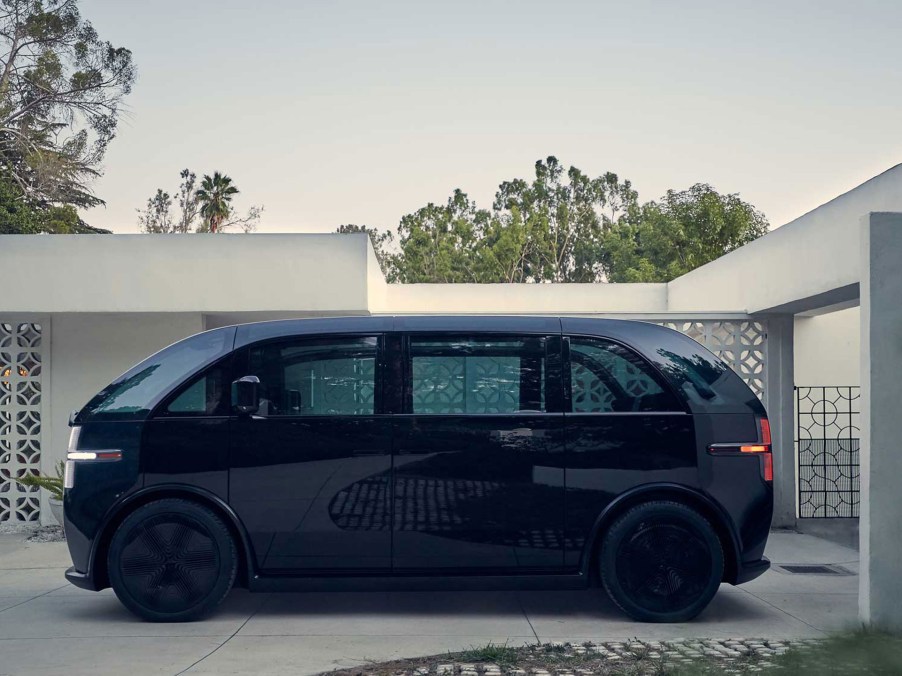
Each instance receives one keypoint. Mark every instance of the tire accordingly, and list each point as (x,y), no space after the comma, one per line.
(172,560)
(661,562)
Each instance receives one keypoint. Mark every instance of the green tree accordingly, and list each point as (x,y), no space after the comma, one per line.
(20,216)
(381,241)
(189,205)
(156,217)
(61,91)
(64,220)
(442,243)
(550,229)
(684,230)
(215,198)
(17,216)
(566,226)
(547,229)
(211,203)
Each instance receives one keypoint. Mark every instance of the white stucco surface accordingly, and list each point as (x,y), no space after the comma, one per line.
(827,349)
(178,273)
(525,298)
(880,597)
(376,286)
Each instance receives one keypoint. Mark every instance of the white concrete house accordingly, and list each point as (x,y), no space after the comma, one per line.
(783,311)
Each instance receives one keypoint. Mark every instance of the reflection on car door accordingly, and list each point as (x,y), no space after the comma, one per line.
(477,455)
(625,427)
(310,474)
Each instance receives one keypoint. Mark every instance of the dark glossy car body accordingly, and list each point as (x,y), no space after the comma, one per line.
(410,491)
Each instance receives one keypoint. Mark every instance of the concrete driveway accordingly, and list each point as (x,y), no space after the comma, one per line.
(49,627)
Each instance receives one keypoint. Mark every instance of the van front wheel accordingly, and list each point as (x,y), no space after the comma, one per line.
(661,562)
(172,560)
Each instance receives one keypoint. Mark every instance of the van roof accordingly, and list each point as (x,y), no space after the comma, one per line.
(250,333)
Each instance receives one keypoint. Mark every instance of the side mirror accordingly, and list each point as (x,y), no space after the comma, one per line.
(245,395)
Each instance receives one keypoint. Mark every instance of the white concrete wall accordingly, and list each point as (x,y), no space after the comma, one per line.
(814,254)
(376,286)
(525,298)
(828,349)
(183,273)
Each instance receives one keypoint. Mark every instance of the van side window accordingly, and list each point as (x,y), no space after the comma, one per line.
(477,375)
(204,396)
(607,378)
(316,376)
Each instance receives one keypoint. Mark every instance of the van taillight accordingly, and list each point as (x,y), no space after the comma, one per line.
(761,448)
(767,460)
(768,469)
(764,424)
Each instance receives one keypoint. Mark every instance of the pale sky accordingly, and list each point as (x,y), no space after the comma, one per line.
(360,112)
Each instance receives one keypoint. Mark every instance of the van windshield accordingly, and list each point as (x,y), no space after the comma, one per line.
(133,395)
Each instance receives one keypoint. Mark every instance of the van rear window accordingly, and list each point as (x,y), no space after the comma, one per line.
(134,394)
(705,380)
(607,378)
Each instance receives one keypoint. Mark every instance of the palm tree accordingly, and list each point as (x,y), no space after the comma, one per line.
(215,196)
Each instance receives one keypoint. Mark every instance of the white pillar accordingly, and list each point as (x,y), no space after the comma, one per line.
(780,407)
(880,594)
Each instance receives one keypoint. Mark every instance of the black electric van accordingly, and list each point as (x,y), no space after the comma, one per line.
(421,453)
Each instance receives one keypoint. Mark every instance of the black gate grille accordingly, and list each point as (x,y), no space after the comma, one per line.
(827,443)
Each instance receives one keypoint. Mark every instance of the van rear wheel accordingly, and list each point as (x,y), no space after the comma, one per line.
(661,562)
(172,560)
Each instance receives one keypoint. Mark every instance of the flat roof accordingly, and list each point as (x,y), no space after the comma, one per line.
(808,263)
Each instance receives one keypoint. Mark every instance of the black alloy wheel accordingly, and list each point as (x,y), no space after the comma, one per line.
(661,562)
(172,560)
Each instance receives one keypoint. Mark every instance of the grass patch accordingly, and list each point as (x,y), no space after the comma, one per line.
(860,652)
(493,653)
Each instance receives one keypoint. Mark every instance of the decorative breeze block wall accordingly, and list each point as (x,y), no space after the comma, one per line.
(20,418)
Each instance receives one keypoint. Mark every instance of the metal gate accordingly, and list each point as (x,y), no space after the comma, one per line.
(827,449)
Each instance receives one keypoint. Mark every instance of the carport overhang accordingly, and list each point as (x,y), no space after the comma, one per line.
(840,298)
(832,259)
(846,252)
(808,266)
